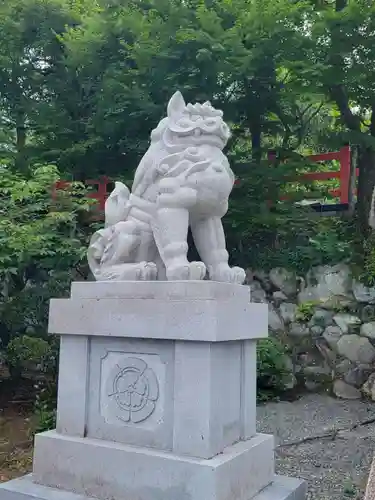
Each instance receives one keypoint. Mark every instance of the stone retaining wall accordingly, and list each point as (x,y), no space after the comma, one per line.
(327,320)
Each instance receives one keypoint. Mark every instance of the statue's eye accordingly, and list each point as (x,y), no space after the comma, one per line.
(210,122)
(184,123)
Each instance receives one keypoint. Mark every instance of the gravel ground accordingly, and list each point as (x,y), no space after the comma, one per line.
(328,442)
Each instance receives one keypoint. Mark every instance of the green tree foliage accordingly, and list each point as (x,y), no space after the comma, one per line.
(86,81)
(29,51)
(41,249)
(131,56)
(272,369)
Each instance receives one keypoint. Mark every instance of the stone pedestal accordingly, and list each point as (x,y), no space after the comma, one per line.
(156,399)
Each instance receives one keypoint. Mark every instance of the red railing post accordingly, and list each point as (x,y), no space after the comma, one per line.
(102,192)
(271,156)
(57,186)
(344,174)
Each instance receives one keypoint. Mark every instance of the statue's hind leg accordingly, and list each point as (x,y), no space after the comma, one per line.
(139,271)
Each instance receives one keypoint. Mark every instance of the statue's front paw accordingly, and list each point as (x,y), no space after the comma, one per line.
(146,271)
(227,274)
(186,271)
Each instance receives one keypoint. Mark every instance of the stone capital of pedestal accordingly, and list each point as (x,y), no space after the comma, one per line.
(204,311)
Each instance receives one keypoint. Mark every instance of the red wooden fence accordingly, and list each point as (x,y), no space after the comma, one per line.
(343,156)
(100,194)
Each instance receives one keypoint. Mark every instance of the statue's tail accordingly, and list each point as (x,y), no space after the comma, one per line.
(116,210)
(116,206)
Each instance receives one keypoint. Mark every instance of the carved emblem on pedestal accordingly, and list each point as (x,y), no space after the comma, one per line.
(132,390)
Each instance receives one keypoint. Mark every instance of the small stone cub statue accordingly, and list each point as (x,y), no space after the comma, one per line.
(184,180)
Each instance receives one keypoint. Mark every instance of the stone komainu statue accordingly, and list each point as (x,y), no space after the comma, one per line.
(184,180)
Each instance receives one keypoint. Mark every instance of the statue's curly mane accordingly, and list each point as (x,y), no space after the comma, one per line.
(186,126)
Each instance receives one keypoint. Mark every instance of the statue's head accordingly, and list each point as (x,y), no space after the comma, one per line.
(191,124)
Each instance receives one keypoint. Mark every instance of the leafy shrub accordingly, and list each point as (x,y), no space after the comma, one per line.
(305,311)
(43,241)
(27,353)
(41,249)
(37,357)
(272,370)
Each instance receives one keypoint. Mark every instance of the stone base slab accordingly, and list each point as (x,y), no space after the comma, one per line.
(109,470)
(282,488)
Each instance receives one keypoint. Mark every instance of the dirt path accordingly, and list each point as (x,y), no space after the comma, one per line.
(15,444)
(15,431)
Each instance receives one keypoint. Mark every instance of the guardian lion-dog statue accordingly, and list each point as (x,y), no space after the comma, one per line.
(184,180)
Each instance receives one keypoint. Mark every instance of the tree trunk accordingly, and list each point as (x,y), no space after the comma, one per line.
(366,180)
(21,160)
(256,140)
(366,184)
(341,4)
(352,181)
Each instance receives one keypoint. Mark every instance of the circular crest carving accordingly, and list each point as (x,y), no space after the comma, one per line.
(133,390)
